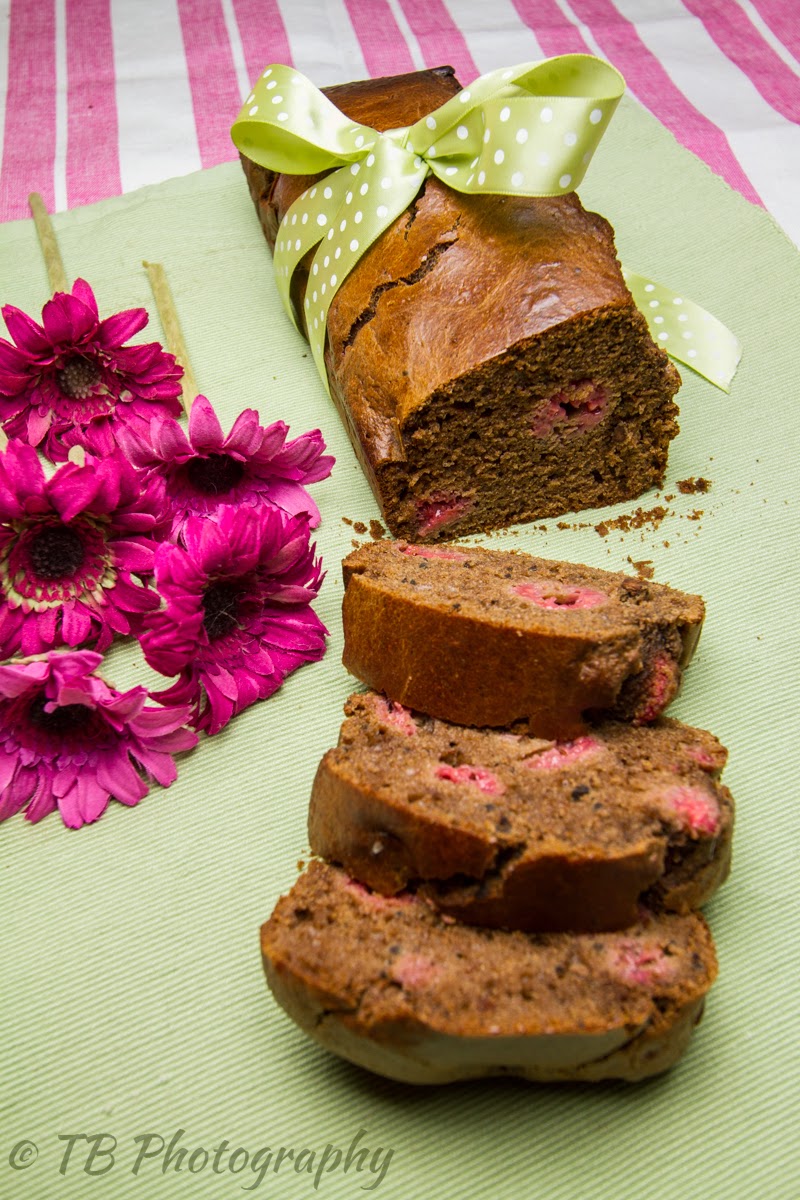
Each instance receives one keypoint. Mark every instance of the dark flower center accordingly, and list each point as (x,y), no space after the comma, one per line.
(62,720)
(78,377)
(220,608)
(215,474)
(56,551)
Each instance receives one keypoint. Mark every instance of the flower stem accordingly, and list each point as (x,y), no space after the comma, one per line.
(162,294)
(47,240)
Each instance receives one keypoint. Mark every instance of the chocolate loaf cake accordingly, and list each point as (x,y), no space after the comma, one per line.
(394,986)
(514,832)
(485,355)
(489,637)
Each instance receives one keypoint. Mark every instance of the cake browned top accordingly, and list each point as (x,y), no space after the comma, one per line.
(485,273)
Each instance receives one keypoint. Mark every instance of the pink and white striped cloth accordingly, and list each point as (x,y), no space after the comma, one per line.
(98,97)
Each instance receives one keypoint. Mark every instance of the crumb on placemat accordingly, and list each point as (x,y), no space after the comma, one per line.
(634,520)
(690,486)
(359,527)
(376,530)
(644,567)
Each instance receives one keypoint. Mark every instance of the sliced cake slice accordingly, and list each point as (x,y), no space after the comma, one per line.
(398,988)
(490,637)
(515,832)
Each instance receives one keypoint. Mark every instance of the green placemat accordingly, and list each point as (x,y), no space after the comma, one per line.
(133,1003)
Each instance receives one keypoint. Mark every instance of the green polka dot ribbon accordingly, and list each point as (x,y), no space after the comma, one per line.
(529,130)
(686,331)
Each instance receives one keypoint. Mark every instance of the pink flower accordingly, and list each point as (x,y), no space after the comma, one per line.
(238,618)
(71,380)
(69,741)
(69,548)
(251,465)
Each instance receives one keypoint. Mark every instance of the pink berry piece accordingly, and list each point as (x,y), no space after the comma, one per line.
(642,963)
(573,409)
(439,510)
(479,776)
(698,809)
(557,595)
(375,899)
(660,687)
(414,970)
(395,715)
(432,552)
(563,754)
(705,759)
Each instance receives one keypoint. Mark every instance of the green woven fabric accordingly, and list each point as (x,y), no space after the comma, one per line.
(132,1000)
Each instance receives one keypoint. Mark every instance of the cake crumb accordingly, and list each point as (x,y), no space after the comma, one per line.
(359,527)
(563,525)
(690,486)
(694,516)
(376,530)
(669,498)
(347,521)
(666,545)
(644,568)
(634,520)
(356,544)
(301,866)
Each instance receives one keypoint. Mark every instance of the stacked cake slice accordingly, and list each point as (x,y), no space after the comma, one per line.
(515,895)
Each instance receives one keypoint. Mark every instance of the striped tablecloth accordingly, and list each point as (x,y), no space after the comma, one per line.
(98,97)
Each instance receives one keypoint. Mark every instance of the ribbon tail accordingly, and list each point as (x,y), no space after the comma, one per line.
(686,331)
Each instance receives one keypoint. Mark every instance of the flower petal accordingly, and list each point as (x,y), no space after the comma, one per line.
(76,624)
(10,803)
(293,499)
(41,801)
(28,335)
(122,780)
(68,322)
(205,431)
(83,292)
(246,435)
(115,330)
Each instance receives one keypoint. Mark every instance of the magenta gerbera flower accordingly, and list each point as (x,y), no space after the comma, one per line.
(72,380)
(69,741)
(253,464)
(238,617)
(70,547)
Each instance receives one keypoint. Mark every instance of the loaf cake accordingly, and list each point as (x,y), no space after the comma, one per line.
(490,637)
(394,986)
(485,354)
(510,831)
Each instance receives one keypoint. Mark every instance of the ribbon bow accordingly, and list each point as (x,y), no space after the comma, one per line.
(529,130)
